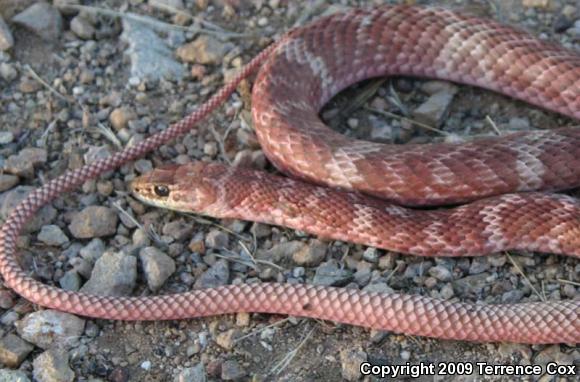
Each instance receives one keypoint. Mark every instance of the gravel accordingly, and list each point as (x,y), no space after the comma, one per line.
(351,360)
(192,374)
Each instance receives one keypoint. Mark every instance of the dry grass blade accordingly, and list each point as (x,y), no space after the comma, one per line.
(392,273)
(521,272)
(246,120)
(109,135)
(237,259)
(411,121)
(150,233)
(176,11)
(204,221)
(568,282)
(345,255)
(220,142)
(259,261)
(493,125)
(154,23)
(362,96)
(46,133)
(169,8)
(284,362)
(47,85)
(394,99)
(254,332)
(106,132)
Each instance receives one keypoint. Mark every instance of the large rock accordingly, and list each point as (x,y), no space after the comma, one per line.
(42,19)
(52,366)
(157,267)
(13,376)
(6,39)
(150,57)
(94,221)
(48,328)
(23,163)
(52,235)
(13,350)
(114,274)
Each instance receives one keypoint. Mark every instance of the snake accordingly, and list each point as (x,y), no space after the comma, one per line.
(484,196)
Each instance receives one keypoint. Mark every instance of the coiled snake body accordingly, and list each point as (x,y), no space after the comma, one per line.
(298,75)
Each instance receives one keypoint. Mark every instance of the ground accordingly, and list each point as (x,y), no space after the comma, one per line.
(95,80)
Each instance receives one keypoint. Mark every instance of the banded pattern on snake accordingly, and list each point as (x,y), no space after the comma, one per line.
(299,74)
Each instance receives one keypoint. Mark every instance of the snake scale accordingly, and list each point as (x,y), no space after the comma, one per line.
(298,75)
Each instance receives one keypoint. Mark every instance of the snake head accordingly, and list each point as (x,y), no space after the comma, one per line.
(185,188)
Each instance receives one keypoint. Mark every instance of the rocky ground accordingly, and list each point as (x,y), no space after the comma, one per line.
(78,83)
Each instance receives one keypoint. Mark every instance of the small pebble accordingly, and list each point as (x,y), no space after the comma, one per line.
(157,267)
(53,366)
(121,116)
(6,137)
(7,375)
(13,350)
(42,19)
(310,255)
(82,27)
(203,50)
(6,39)
(232,371)
(217,239)
(50,328)
(218,274)
(227,339)
(330,274)
(351,359)
(192,374)
(7,181)
(94,221)
(52,235)
(114,274)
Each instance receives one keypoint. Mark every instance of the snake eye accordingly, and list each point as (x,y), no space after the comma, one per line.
(161,191)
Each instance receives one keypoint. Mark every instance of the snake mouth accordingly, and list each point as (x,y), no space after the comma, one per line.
(145,193)
(141,191)
(156,185)
(150,192)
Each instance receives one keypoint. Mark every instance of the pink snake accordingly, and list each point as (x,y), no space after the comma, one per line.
(301,72)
